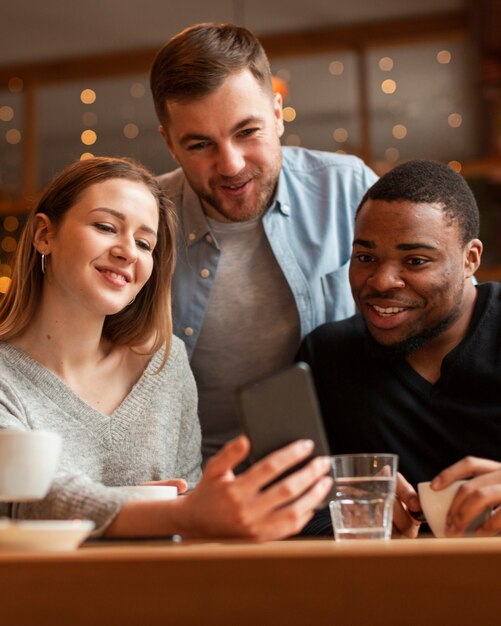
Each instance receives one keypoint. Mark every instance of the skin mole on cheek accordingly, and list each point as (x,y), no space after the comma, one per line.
(49,337)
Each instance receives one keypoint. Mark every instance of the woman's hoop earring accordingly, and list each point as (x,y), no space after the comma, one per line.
(44,263)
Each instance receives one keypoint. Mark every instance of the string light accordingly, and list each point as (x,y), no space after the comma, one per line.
(385,64)
(388,86)
(88,137)
(336,68)
(131,131)
(444,57)
(340,135)
(399,131)
(293,140)
(6,113)
(88,96)
(455,120)
(13,136)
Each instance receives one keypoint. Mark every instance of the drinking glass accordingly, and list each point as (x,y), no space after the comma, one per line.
(364,491)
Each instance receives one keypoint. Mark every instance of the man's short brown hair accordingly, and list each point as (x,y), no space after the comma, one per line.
(196,62)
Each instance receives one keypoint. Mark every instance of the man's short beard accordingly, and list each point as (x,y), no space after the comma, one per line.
(255,212)
(405,348)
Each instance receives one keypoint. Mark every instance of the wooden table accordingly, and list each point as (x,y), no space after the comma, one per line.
(417,582)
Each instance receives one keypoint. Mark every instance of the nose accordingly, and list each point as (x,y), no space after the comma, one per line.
(125,249)
(385,277)
(231,160)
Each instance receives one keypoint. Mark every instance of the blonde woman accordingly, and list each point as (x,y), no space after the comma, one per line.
(86,350)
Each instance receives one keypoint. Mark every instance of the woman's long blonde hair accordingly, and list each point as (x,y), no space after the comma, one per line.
(150,314)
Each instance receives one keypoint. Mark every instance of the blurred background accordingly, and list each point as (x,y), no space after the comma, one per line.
(386,80)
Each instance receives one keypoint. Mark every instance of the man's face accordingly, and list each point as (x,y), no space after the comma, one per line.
(409,273)
(228,144)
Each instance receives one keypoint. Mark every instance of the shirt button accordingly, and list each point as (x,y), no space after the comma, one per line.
(286,210)
(204,273)
(192,236)
(208,238)
(188,331)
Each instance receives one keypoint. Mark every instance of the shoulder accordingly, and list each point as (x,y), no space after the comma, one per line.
(172,183)
(341,332)
(488,307)
(334,340)
(492,290)
(302,161)
(17,380)
(177,359)
(11,358)
(178,350)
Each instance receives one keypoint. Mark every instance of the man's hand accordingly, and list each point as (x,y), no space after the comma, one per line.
(405,509)
(473,497)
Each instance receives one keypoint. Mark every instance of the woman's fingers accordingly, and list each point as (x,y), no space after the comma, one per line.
(290,519)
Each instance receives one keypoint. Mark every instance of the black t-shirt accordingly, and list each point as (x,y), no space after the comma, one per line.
(374,404)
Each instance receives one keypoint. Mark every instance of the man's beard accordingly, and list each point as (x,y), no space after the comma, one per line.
(410,345)
(244,212)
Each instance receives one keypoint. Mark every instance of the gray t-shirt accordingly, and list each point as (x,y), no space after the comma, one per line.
(250,330)
(154,434)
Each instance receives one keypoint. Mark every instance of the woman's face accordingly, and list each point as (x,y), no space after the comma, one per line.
(100,256)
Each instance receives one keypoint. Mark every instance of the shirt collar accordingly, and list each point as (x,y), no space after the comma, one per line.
(281,200)
(195,225)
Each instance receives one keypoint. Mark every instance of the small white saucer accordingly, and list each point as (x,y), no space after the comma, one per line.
(54,535)
(152,492)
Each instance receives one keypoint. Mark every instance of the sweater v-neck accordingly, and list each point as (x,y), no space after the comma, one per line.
(110,428)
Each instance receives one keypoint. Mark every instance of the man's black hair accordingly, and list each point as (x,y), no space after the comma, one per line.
(430,182)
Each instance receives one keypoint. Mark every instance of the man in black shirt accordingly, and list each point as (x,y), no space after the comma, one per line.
(417,371)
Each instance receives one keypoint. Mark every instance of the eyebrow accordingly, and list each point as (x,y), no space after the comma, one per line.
(122,217)
(252,119)
(365,243)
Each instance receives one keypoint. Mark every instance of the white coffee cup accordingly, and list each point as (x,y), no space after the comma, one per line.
(153,492)
(436,505)
(28,463)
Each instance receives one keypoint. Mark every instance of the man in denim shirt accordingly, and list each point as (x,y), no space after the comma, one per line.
(265,231)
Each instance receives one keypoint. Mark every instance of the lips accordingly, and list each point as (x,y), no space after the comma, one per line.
(236,189)
(386,317)
(114,275)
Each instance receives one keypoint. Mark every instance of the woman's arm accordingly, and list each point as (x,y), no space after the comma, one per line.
(226,505)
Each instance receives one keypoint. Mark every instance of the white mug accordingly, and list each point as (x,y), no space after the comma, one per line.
(28,463)
(436,505)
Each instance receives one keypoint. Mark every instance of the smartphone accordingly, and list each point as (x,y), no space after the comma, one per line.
(281,409)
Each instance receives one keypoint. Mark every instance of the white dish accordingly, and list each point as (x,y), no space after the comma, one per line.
(54,536)
(152,492)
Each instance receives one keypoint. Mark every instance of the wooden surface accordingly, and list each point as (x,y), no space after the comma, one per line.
(423,581)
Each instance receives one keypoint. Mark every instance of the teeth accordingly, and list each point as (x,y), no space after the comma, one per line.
(116,276)
(391,310)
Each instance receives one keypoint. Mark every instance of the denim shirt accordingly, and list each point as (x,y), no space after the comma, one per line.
(309,226)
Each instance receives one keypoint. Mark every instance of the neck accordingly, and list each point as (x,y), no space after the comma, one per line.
(427,361)
(63,339)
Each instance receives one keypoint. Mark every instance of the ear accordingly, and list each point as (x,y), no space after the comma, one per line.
(472,256)
(168,142)
(42,233)
(278,112)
